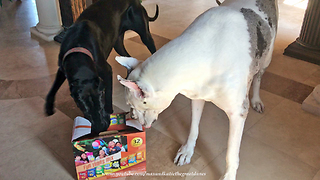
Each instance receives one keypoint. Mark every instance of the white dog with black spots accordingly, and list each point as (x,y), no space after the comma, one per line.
(217,58)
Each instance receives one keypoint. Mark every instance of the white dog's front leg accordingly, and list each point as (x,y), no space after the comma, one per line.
(186,151)
(235,134)
(256,102)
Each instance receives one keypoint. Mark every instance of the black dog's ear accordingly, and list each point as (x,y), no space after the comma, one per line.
(108,106)
(105,96)
(101,86)
(130,14)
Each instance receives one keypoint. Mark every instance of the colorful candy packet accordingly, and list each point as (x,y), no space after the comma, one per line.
(124,161)
(92,172)
(140,155)
(132,158)
(116,164)
(83,175)
(100,170)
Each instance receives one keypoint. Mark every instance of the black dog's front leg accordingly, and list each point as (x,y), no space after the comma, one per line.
(108,95)
(121,50)
(147,39)
(60,78)
(119,47)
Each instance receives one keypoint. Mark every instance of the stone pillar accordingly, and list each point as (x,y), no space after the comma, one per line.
(307,45)
(307,48)
(49,19)
(312,103)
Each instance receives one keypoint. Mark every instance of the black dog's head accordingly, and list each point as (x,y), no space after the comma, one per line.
(90,97)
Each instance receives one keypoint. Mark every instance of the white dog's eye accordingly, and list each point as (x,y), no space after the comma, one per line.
(144,102)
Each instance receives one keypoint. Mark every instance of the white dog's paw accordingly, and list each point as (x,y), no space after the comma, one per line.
(258,106)
(228,177)
(184,155)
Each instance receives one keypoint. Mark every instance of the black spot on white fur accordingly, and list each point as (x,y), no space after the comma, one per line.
(260,36)
(245,107)
(268,7)
(261,43)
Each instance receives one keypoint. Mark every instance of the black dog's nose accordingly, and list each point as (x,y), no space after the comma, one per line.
(97,127)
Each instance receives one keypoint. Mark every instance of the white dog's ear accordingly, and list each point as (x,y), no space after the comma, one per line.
(133,87)
(128,62)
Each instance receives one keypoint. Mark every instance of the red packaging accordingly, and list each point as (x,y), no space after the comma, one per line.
(83,175)
(124,161)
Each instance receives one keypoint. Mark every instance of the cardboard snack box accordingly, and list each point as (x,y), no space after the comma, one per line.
(120,151)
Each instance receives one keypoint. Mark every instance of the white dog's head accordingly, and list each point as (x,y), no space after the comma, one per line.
(146,103)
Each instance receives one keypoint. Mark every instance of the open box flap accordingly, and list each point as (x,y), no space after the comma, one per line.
(82,127)
(135,124)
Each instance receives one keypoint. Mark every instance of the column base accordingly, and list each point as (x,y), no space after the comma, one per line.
(46,37)
(295,50)
(59,37)
(312,104)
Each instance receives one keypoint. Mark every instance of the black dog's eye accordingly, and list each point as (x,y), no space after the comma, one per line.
(74,83)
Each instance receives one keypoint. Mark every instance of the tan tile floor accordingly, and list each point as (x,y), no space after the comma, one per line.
(283,143)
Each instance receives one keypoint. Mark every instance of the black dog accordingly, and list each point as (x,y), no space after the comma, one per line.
(85,49)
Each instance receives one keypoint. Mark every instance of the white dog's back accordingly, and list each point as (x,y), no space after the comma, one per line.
(224,30)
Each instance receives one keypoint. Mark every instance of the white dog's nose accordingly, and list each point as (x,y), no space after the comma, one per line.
(149,126)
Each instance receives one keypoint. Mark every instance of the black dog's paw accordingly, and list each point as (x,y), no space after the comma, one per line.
(49,112)
(49,109)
